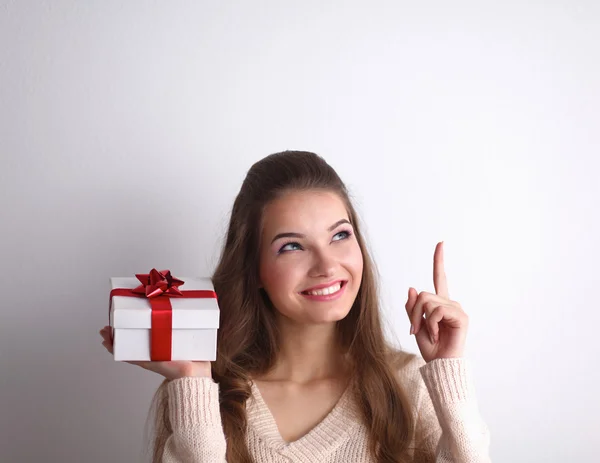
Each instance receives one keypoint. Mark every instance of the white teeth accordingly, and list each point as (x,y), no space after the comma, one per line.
(323,292)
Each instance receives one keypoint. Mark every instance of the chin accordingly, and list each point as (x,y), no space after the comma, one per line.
(332,315)
(311,316)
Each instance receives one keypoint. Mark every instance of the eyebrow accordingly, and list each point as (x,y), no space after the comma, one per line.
(300,235)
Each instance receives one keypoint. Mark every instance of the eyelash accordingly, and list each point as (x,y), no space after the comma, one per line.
(347,232)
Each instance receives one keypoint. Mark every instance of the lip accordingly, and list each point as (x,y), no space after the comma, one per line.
(324,285)
(326,297)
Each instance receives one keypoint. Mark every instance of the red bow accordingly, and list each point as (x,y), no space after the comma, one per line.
(158,283)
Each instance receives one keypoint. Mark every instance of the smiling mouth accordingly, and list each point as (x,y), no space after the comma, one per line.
(333,289)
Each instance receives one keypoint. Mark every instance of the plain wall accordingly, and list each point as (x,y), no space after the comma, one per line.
(126,129)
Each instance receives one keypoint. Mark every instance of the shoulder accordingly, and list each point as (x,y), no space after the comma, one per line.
(408,373)
(406,364)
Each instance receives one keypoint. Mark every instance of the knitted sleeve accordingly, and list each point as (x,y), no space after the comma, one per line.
(196,421)
(449,424)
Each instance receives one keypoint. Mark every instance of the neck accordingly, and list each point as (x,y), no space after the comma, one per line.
(308,353)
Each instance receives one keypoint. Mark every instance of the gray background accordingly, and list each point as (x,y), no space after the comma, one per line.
(126,129)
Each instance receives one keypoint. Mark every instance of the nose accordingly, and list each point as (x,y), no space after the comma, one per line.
(324,264)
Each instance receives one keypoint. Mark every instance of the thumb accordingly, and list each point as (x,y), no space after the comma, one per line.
(412,300)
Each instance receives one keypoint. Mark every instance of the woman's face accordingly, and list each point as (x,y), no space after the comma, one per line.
(310,262)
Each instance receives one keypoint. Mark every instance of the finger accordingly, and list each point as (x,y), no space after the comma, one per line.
(106,331)
(410,304)
(139,363)
(108,346)
(423,335)
(416,316)
(439,274)
(106,335)
(424,300)
(433,321)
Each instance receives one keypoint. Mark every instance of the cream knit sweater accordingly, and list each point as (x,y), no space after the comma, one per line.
(449,424)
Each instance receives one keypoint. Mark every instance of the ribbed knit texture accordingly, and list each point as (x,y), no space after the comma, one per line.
(449,425)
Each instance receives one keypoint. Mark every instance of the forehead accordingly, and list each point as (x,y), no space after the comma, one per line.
(303,211)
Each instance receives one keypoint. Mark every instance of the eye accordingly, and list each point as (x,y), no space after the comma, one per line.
(283,248)
(344,235)
(294,246)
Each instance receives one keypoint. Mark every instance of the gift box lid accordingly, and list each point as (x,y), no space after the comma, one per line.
(188,313)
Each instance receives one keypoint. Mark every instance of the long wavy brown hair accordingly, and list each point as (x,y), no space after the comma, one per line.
(248,339)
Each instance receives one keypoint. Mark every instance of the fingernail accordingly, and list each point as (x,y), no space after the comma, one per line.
(432,339)
(412,329)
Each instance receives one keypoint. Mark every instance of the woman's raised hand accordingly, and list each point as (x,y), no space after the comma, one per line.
(439,324)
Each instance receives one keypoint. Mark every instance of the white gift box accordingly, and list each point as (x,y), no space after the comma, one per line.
(194,322)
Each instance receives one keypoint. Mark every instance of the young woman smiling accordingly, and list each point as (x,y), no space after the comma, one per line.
(303,371)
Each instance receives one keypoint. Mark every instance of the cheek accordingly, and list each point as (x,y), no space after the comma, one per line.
(354,260)
(359,266)
(280,275)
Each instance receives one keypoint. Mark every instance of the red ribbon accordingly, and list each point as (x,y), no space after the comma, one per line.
(158,287)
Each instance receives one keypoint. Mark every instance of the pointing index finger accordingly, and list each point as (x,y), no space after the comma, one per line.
(439,274)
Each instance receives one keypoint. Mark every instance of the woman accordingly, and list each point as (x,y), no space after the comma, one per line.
(303,372)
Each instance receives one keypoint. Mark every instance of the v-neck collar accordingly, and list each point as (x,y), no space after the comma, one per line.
(320,441)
